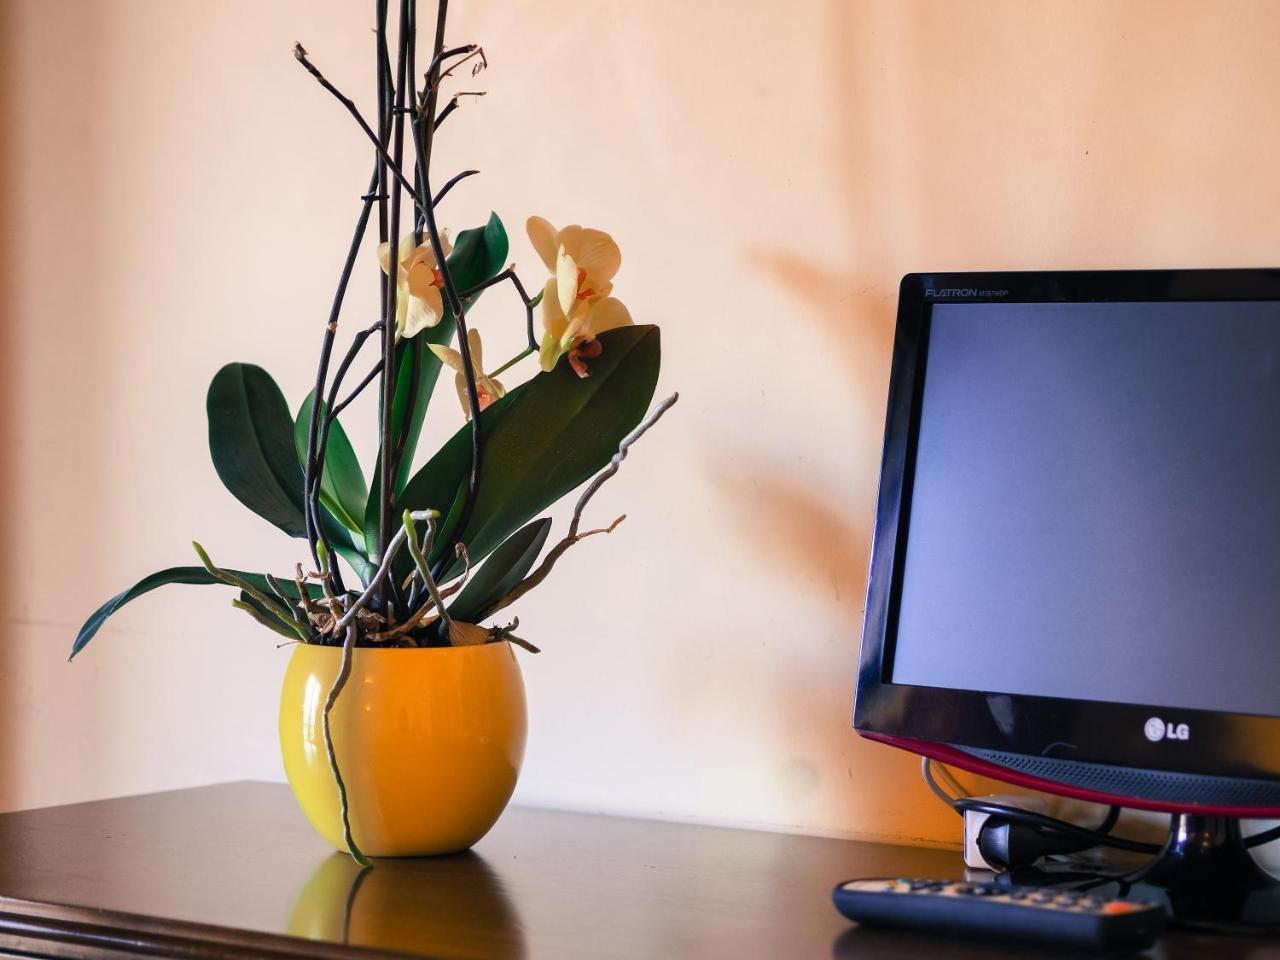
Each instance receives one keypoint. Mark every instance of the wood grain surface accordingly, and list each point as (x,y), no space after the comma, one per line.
(233,871)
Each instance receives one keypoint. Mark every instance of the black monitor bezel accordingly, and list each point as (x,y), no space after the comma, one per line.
(1220,744)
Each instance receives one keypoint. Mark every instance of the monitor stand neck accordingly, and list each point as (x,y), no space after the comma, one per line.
(1209,878)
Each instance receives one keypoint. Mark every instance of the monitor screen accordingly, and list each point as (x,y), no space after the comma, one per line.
(1095,508)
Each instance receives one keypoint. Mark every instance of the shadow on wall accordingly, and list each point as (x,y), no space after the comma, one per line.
(818,521)
(842,317)
(917,185)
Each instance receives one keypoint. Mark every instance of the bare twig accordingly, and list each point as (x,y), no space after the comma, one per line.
(420,554)
(367,379)
(452,105)
(410,71)
(387,440)
(505,633)
(529,302)
(314,466)
(301,54)
(441,55)
(416,619)
(326,579)
(449,184)
(309,606)
(467,51)
(573,536)
(460,553)
(384,568)
(386,104)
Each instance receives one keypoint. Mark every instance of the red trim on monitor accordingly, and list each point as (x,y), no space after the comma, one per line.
(965,761)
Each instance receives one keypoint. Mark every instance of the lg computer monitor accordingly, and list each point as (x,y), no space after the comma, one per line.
(1075,576)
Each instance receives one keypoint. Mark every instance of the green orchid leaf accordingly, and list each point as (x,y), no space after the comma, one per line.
(251,442)
(543,439)
(270,614)
(191,575)
(561,432)
(439,485)
(479,255)
(505,568)
(342,486)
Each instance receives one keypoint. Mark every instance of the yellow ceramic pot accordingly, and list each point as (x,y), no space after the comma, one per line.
(429,742)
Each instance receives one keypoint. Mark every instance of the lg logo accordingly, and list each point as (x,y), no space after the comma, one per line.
(1156,730)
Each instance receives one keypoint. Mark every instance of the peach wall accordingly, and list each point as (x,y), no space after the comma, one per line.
(177,194)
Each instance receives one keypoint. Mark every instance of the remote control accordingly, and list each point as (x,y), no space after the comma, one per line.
(960,908)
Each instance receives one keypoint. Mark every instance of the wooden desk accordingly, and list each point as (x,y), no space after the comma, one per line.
(234,871)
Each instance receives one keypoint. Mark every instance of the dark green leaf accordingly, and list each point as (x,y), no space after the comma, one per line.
(342,487)
(251,442)
(193,575)
(272,614)
(542,439)
(506,567)
(562,430)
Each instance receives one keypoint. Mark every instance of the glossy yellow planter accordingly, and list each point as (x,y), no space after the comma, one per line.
(429,741)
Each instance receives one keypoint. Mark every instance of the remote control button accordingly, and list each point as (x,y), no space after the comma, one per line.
(1117,907)
(1017,894)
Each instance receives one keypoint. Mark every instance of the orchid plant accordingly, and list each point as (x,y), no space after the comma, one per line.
(432,553)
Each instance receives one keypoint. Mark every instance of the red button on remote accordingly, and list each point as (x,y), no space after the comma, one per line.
(1119,906)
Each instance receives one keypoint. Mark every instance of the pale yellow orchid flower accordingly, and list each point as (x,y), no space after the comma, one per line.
(418,301)
(576,306)
(487,388)
(576,333)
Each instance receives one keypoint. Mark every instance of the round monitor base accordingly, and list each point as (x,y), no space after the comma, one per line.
(1207,879)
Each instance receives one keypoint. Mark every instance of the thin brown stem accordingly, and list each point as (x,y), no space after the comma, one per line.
(344,674)
(367,379)
(315,476)
(449,185)
(380,575)
(466,51)
(385,107)
(573,536)
(423,135)
(529,302)
(314,466)
(301,54)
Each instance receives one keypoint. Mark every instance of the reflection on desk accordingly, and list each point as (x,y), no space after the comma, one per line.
(453,906)
(234,871)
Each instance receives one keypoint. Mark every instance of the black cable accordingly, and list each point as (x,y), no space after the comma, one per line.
(1266,836)
(1113,815)
(1039,820)
(1102,833)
